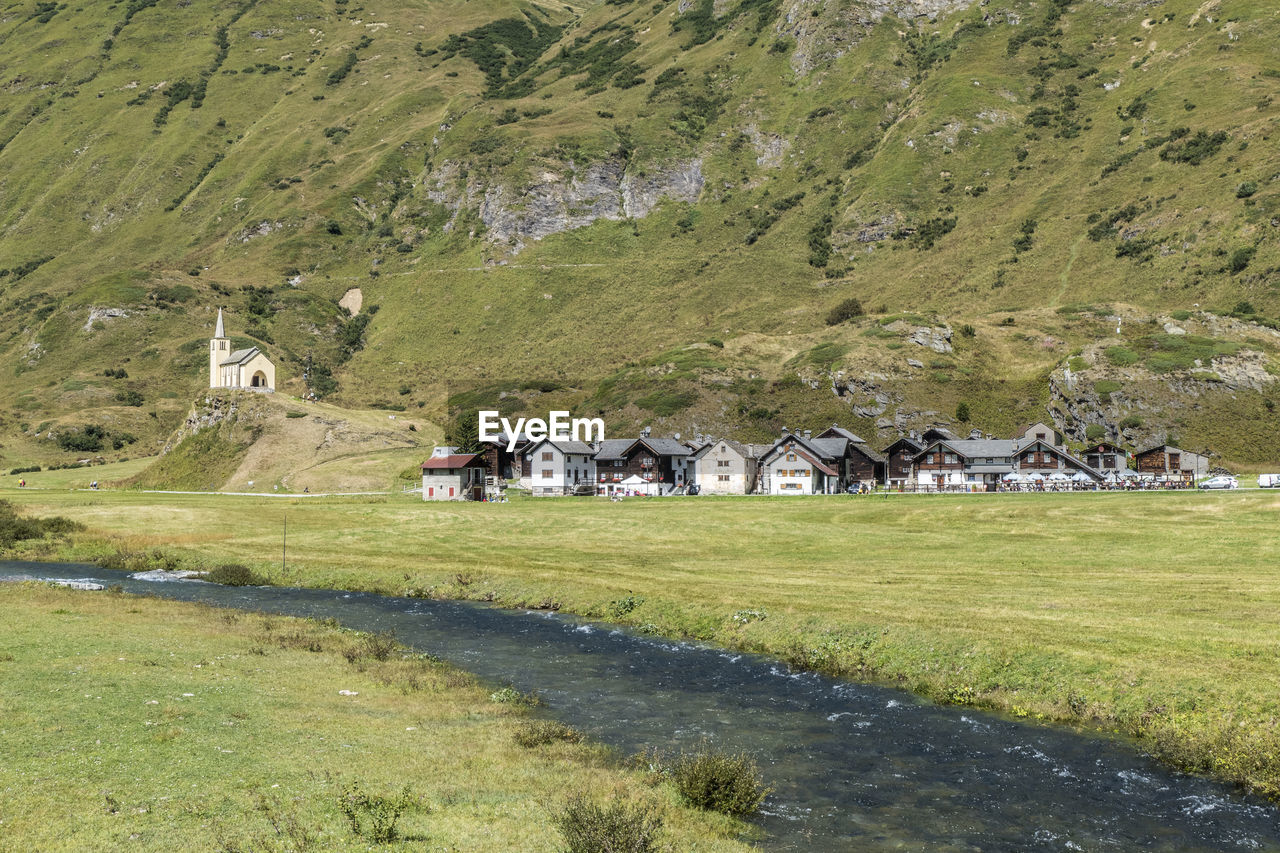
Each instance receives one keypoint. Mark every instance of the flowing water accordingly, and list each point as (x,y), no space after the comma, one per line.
(852,766)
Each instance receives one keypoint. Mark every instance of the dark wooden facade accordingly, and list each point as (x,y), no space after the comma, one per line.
(899,458)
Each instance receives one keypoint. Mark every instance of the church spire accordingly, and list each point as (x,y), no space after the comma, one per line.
(218,331)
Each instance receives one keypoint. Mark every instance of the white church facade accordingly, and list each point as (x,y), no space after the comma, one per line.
(244,368)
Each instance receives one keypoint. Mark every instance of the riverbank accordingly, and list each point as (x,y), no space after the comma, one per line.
(158,725)
(1155,615)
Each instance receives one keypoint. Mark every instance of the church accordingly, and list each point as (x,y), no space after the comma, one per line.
(245,368)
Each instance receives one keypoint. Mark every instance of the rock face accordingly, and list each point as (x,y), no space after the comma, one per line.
(1136,406)
(838,27)
(215,409)
(563,198)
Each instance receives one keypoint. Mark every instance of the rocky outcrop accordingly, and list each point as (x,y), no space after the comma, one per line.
(563,198)
(1135,406)
(837,27)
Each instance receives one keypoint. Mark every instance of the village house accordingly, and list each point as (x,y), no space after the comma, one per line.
(862,465)
(503,463)
(1038,457)
(1108,458)
(724,467)
(452,476)
(1039,432)
(661,462)
(983,463)
(1167,462)
(973,464)
(798,464)
(899,460)
(244,368)
(560,467)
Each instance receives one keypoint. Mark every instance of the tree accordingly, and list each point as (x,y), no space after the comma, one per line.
(463,431)
(962,413)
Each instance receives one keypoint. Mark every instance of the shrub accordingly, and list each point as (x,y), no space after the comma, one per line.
(378,645)
(543,732)
(88,439)
(1240,258)
(1095,432)
(373,816)
(235,574)
(129,398)
(1247,189)
(846,310)
(1121,356)
(618,827)
(1131,422)
(719,782)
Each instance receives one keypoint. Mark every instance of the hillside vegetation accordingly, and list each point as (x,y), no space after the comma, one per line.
(714,215)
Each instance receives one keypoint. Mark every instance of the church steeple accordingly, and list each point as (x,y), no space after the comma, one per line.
(218,331)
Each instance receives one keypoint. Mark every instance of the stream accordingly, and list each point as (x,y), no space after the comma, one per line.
(852,766)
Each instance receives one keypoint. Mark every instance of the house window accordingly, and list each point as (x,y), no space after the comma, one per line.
(789,486)
(722,463)
(547,456)
(791,457)
(547,473)
(723,478)
(1109,462)
(1040,436)
(1175,460)
(617,463)
(951,459)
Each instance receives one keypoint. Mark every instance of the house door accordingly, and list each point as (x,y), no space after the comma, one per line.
(259,380)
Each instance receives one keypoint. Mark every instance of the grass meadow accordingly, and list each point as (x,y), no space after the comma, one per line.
(1156,615)
(142,724)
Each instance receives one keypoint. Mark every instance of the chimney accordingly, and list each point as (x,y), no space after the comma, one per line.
(975,434)
(786,431)
(808,434)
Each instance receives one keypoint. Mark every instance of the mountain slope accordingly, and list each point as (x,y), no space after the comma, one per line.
(549,204)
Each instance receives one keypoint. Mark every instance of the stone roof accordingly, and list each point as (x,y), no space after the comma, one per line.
(566,447)
(241,356)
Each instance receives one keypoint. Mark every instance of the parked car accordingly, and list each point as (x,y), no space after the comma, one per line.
(1219,483)
(1269,481)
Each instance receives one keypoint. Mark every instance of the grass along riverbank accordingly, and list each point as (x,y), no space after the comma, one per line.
(138,723)
(1156,615)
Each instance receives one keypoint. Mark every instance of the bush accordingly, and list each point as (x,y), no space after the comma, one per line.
(1095,432)
(1131,422)
(129,398)
(1240,259)
(13,528)
(588,827)
(88,439)
(235,574)
(1247,189)
(380,645)
(719,782)
(373,816)
(846,310)
(543,732)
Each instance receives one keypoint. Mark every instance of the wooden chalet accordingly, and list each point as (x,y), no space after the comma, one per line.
(661,461)
(1171,463)
(899,460)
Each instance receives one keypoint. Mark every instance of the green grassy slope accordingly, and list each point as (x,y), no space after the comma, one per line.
(991,164)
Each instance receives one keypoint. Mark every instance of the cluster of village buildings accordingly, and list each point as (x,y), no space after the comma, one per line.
(800,463)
